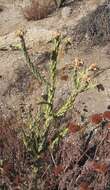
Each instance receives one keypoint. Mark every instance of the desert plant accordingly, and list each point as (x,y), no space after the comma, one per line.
(36,138)
(94,28)
(37,10)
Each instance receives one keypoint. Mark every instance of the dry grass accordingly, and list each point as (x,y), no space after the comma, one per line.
(38,10)
(94,29)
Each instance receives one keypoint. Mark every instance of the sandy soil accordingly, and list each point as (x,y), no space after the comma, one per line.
(15,78)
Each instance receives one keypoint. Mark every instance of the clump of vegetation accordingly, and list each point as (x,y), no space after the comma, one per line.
(81,159)
(36,11)
(39,10)
(95,28)
(98,25)
(38,139)
(48,153)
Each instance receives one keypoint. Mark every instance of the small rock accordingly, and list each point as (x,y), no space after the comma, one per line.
(1,8)
(66,12)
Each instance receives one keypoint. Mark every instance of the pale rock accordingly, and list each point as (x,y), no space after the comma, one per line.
(66,12)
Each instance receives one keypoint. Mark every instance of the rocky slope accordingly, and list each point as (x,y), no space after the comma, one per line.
(17,86)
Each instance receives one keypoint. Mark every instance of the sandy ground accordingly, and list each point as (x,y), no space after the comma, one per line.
(17,87)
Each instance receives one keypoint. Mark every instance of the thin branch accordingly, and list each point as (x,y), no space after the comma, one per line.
(34,70)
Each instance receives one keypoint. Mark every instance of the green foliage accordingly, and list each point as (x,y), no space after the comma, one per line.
(36,137)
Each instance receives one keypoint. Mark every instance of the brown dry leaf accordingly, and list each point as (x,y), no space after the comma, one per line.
(58,170)
(73,127)
(64,77)
(99,167)
(106,115)
(96,118)
(84,186)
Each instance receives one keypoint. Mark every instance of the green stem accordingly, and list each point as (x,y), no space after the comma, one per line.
(51,89)
(67,105)
(34,70)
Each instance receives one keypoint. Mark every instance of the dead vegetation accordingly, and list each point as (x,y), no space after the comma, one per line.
(95,28)
(54,151)
(82,160)
(38,10)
